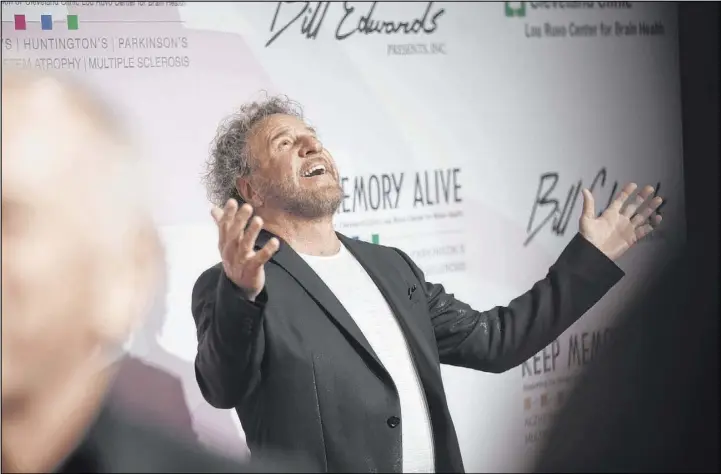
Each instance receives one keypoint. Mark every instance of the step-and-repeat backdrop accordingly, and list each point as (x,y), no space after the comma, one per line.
(464,132)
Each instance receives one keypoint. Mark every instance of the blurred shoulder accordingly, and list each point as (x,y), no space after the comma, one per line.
(129,446)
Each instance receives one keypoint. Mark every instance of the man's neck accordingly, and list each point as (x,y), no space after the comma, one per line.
(306,236)
(40,432)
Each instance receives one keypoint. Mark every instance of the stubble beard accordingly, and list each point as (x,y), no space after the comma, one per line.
(311,204)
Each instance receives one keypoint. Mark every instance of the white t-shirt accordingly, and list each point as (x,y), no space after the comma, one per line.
(359,295)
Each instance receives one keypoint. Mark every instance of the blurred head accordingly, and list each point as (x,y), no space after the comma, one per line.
(80,253)
(268,156)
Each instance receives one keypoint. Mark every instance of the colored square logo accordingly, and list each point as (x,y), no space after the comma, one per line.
(72,22)
(20,22)
(375,238)
(46,22)
(517,9)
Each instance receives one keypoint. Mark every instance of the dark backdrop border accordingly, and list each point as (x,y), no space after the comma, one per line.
(699,67)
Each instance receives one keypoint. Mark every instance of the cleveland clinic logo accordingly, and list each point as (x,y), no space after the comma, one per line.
(515,9)
(307,18)
(519,9)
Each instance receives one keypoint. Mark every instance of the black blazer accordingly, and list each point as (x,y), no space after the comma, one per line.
(302,376)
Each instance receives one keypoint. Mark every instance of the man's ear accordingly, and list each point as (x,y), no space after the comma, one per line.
(248,192)
(136,277)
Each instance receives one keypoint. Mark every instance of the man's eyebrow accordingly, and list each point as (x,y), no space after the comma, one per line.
(286,130)
(281,132)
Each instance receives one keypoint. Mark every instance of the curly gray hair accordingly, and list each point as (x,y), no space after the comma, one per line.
(229,155)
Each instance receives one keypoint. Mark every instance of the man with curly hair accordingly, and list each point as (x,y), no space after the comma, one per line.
(332,346)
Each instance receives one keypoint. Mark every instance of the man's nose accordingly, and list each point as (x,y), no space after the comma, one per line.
(311,146)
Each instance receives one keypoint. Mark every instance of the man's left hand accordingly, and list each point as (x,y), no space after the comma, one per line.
(623,223)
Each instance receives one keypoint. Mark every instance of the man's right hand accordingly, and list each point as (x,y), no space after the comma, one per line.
(236,242)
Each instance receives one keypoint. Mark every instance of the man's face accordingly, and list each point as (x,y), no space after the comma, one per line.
(54,261)
(291,169)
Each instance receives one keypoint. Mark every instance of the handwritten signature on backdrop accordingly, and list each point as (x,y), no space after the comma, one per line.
(558,217)
(309,16)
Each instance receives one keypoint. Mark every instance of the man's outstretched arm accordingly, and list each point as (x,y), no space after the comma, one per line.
(228,305)
(230,339)
(505,336)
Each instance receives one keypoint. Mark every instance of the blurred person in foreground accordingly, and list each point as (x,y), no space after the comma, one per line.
(332,346)
(80,264)
(650,402)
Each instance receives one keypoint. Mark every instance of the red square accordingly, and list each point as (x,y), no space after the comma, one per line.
(20,22)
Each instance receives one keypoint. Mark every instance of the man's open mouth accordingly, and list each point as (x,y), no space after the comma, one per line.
(315,170)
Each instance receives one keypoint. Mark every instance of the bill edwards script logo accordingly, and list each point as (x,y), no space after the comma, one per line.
(307,18)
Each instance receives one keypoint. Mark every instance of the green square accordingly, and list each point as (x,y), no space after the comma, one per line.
(72,22)
(375,238)
(516,9)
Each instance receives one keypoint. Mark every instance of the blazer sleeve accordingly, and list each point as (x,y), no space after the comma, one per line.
(502,338)
(230,339)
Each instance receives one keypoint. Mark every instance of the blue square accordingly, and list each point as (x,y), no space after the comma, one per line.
(46,21)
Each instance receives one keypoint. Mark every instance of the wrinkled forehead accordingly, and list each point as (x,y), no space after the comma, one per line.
(276,125)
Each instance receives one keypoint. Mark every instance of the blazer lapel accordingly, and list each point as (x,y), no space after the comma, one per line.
(292,263)
(395,292)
